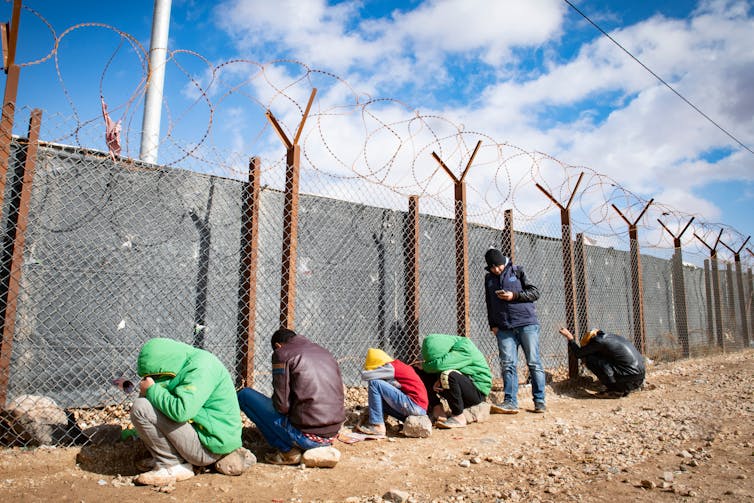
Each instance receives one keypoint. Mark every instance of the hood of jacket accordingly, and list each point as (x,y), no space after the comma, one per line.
(160,357)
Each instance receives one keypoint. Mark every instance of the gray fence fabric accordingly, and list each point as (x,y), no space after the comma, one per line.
(119,253)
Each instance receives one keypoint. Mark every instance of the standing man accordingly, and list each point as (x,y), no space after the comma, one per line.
(186,414)
(307,405)
(513,319)
(613,359)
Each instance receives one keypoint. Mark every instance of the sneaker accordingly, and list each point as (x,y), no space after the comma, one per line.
(504,408)
(236,462)
(451,422)
(377,430)
(166,476)
(292,457)
(539,407)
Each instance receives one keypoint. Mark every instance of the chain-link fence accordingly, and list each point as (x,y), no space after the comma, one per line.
(366,233)
(116,253)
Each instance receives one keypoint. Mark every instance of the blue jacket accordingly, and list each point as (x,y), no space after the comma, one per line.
(519,312)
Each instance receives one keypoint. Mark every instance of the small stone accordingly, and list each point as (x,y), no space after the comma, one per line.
(667,476)
(465,463)
(648,484)
(396,496)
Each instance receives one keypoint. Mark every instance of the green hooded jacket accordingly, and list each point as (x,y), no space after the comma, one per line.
(442,352)
(193,385)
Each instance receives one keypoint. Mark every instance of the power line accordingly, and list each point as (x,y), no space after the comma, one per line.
(718,126)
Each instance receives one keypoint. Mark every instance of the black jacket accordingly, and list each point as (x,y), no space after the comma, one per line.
(615,349)
(519,312)
(307,387)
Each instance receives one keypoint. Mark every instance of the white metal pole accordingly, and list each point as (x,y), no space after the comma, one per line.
(158,48)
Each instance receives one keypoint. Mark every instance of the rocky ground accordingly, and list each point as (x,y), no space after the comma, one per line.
(688,439)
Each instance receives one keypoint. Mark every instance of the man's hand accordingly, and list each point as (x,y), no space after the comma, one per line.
(494,330)
(437,387)
(144,385)
(566,333)
(504,295)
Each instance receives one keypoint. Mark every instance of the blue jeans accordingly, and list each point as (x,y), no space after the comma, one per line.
(508,342)
(384,398)
(274,426)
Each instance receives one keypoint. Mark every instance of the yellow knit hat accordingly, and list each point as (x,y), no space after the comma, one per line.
(588,336)
(376,358)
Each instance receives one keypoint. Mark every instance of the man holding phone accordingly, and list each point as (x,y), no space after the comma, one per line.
(512,318)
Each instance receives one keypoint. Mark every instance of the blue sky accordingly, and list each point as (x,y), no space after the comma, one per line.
(531,74)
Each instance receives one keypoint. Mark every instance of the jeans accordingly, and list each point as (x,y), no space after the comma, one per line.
(507,344)
(274,426)
(384,398)
(170,443)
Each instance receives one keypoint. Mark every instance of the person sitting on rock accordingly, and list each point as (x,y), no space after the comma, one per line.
(307,408)
(394,389)
(186,414)
(453,368)
(612,358)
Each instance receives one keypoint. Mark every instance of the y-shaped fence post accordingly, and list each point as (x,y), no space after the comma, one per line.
(290,217)
(462,247)
(679,290)
(568,280)
(637,287)
(715,280)
(741,293)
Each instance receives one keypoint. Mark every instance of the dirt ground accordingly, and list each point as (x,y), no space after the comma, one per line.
(689,439)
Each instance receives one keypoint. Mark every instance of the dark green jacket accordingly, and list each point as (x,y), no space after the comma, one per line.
(442,352)
(193,385)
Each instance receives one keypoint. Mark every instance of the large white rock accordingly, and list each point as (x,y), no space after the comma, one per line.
(321,457)
(34,420)
(417,426)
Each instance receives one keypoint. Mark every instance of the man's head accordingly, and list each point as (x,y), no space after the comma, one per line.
(496,261)
(589,336)
(281,336)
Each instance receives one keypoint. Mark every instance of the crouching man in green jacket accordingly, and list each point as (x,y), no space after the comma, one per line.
(186,414)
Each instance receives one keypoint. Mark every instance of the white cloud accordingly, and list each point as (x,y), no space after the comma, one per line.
(616,117)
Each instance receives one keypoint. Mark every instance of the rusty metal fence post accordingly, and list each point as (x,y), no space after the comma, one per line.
(462,243)
(290,216)
(9,40)
(714,300)
(568,280)
(508,245)
(247,288)
(411,272)
(13,255)
(744,326)
(637,286)
(679,290)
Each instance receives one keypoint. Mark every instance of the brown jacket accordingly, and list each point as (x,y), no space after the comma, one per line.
(307,387)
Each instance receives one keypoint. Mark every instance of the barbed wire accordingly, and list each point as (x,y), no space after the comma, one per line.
(354,138)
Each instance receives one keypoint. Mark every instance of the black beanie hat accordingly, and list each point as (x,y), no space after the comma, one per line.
(494,257)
